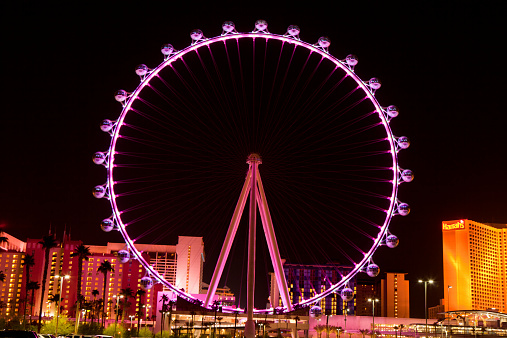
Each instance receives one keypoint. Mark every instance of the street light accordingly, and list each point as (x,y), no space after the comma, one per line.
(373,301)
(62,278)
(426,282)
(116,321)
(131,316)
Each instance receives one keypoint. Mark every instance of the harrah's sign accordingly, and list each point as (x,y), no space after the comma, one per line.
(454,226)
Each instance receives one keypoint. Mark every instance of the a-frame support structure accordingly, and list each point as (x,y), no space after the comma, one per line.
(253,186)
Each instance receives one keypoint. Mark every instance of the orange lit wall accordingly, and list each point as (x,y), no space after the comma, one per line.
(474,265)
(395,300)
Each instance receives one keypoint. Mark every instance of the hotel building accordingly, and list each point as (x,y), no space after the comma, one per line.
(394,295)
(180,264)
(475,265)
(307,280)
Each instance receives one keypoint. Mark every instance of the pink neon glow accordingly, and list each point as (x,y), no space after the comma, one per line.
(285,39)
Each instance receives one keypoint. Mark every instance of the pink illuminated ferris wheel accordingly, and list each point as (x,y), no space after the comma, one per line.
(330,173)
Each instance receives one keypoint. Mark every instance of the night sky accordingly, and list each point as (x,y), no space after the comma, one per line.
(439,63)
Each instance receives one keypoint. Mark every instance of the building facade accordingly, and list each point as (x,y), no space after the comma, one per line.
(475,265)
(395,295)
(166,259)
(307,280)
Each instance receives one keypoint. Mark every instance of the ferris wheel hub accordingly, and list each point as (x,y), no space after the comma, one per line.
(254,158)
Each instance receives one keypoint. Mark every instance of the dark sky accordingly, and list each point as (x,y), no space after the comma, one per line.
(441,63)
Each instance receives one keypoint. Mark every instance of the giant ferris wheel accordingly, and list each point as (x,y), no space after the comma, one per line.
(330,173)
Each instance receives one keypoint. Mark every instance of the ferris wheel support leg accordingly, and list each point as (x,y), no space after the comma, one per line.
(254,162)
(229,238)
(276,260)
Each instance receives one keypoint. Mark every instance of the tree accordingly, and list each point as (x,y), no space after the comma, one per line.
(95,309)
(48,242)
(2,276)
(401,326)
(319,329)
(83,253)
(140,293)
(364,332)
(170,307)
(163,299)
(65,327)
(104,268)
(32,286)
(28,263)
(126,293)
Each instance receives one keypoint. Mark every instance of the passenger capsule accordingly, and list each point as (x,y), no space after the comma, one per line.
(373,270)
(403,209)
(392,241)
(106,125)
(99,157)
(124,256)
(142,70)
(351,60)
(293,30)
(196,34)
(347,294)
(120,95)
(392,111)
(167,49)
(107,225)
(324,41)
(261,25)
(407,175)
(146,283)
(228,26)
(375,83)
(99,191)
(403,142)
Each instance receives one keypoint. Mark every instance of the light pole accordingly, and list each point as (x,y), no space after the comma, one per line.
(373,301)
(117,297)
(62,278)
(131,316)
(345,312)
(448,305)
(426,282)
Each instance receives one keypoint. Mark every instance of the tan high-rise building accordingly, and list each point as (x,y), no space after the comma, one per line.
(475,265)
(394,295)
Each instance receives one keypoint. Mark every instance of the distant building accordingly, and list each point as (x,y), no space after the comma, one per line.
(367,289)
(395,295)
(437,311)
(307,280)
(475,265)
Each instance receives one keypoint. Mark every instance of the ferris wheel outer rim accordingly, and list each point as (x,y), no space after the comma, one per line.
(179,54)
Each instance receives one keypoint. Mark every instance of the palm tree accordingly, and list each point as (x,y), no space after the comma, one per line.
(95,293)
(32,286)
(320,328)
(170,307)
(2,276)
(83,253)
(364,332)
(128,292)
(401,326)
(163,299)
(140,293)
(105,267)
(28,263)
(48,242)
